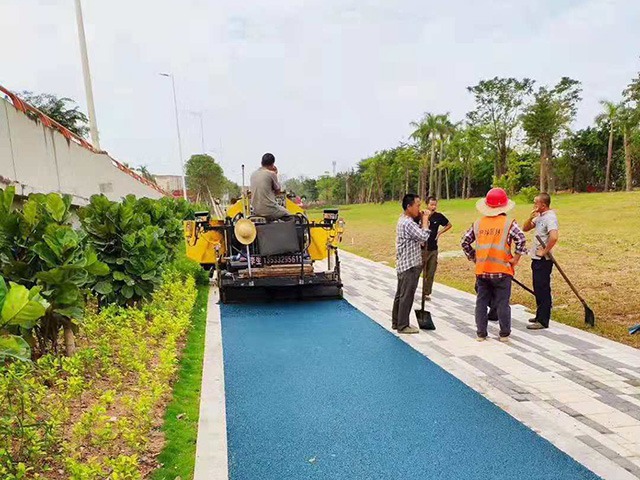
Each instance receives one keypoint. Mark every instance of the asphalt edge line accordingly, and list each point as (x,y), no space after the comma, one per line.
(211,450)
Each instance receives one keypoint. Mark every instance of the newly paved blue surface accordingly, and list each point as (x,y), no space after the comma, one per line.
(319,391)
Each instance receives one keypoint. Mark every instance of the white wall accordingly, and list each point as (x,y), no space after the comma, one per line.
(40,159)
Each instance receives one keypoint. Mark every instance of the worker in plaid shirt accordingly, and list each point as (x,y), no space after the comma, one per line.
(409,237)
(494,235)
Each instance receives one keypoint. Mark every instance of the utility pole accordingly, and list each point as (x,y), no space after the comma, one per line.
(334,168)
(175,104)
(93,124)
(200,114)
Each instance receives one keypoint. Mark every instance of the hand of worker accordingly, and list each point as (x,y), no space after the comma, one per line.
(514,262)
(534,214)
(541,253)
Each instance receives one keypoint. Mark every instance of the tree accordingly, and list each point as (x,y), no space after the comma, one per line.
(630,119)
(499,103)
(145,173)
(69,116)
(205,178)
(545,118)
(445,130)
(426,135)
(610,118)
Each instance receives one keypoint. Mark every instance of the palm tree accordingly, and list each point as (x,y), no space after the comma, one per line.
(425,133)
(610,116)
(445,131)
(145,173)
(629,119)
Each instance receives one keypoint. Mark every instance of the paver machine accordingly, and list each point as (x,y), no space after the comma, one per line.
(255,259)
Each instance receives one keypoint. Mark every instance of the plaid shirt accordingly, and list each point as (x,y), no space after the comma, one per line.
(516,237)
(409,237)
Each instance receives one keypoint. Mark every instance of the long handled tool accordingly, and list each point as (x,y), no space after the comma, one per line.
(589,316)
(425,322)
(524,286)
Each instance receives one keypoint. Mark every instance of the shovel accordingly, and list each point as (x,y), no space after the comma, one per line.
(423,316)
(589,316)
(523,286)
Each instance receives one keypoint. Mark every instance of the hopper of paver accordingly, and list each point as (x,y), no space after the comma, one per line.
(253,259)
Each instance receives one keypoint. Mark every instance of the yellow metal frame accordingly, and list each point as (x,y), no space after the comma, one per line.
(206,246)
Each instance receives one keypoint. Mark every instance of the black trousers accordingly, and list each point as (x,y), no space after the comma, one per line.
(493,312)
(542,287)
(405,293)
(495,292)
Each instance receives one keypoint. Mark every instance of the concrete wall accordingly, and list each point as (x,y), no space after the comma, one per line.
(169,183)
(39,159)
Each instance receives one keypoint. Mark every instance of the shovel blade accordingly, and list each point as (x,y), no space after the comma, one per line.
(589,316)
(425,322)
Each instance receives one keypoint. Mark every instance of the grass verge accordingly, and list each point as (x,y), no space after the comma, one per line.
(181,418)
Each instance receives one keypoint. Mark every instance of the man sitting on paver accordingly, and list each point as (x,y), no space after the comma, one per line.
(494,235)
(545,221)
(264,188)
(409,237)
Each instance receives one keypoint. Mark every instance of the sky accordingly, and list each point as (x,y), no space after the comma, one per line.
(312,81)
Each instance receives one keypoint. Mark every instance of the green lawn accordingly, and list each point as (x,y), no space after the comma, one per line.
(182,414)
(599,249)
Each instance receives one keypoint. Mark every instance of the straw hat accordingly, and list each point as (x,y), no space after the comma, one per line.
(245,231)
(495,203)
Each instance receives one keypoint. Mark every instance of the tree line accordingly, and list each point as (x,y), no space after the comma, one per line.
(518,136)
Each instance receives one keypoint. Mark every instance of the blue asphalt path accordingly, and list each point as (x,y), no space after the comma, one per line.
(319,391)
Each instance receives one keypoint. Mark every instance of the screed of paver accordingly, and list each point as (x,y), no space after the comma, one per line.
(317,391)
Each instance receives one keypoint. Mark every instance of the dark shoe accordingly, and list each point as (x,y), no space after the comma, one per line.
(394,327)
(536,326)
(409,329)
(533,320)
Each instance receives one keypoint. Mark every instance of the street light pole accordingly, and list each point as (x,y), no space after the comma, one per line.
(93,124)
(175,104)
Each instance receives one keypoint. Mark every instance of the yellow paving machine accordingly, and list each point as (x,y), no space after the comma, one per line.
(255,259)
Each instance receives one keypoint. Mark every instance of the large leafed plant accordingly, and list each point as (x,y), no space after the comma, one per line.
(40,248)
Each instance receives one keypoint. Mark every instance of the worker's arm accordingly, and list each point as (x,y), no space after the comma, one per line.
(447,227)
(467,244)
(530,223)
(417,233)
(275,185)
(517,238)
(551,242)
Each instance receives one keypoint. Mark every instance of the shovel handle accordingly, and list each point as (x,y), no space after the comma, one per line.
(424,280)
(564,275)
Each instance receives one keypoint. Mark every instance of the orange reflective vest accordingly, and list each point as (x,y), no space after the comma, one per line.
(492,248)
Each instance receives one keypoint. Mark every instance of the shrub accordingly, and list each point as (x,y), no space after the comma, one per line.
(40,248)
(133,248)
(186,267)
(528,194)
(91,416)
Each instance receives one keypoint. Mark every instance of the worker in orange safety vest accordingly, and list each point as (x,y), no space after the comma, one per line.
(500,243)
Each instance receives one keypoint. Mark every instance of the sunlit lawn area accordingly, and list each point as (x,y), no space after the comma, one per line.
(599,249)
